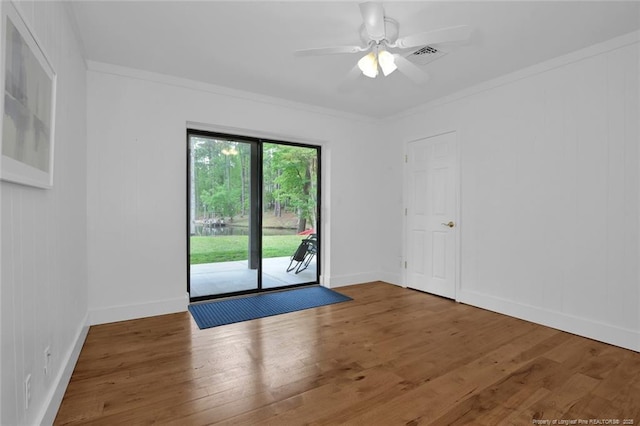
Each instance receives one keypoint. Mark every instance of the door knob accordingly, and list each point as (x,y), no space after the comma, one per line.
(450,224)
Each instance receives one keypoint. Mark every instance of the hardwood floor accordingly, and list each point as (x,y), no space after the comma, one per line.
(390,356)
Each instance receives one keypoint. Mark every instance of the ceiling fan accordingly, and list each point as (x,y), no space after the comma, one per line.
(379,35)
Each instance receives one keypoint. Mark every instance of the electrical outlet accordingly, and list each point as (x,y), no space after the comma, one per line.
(27,391)
(47,360)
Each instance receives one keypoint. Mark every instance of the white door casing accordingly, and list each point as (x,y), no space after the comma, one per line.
(431,215)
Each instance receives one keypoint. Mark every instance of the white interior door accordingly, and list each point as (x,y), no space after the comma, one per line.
(432,207)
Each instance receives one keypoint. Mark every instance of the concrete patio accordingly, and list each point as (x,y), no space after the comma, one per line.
(227,277)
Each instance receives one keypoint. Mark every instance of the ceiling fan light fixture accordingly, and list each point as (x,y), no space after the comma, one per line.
(368,64)
(387,62)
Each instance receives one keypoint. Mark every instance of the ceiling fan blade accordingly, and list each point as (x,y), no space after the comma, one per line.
(348,84)
(443,35)
(335,50)
(406,67)
(373,17)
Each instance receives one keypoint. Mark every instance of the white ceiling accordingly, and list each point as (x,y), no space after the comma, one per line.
(249,45)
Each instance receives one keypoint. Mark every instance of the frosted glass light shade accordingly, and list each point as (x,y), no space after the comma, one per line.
(368,64)
(387,62)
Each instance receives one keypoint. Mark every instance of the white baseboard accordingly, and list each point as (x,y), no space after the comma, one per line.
(391,278)
(61,381)
(625,338)
(140,310)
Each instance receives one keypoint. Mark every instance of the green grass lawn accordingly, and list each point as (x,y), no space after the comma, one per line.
(234,247)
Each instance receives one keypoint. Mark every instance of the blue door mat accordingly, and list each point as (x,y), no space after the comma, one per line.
(221,312)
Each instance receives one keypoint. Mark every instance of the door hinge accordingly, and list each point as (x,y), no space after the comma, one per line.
(405,211)
(405,264)
(406,158)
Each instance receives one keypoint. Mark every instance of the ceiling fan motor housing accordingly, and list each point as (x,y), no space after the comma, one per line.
(390,28)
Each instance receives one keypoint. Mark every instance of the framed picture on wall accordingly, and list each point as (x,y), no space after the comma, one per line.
(28,107)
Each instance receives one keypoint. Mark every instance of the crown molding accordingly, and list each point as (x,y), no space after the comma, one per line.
(569,58)
(105,68)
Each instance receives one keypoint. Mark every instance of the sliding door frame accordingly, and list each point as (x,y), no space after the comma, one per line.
(256,161)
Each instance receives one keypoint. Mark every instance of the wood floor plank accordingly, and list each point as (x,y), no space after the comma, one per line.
(390,356)
(501,399)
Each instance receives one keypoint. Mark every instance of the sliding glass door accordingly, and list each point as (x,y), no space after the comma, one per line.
(221,212)
(253,209)
(289,214)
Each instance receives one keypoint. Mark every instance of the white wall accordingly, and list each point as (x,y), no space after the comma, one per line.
(137,183)
(44,265)
(549,187)
(389,235)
